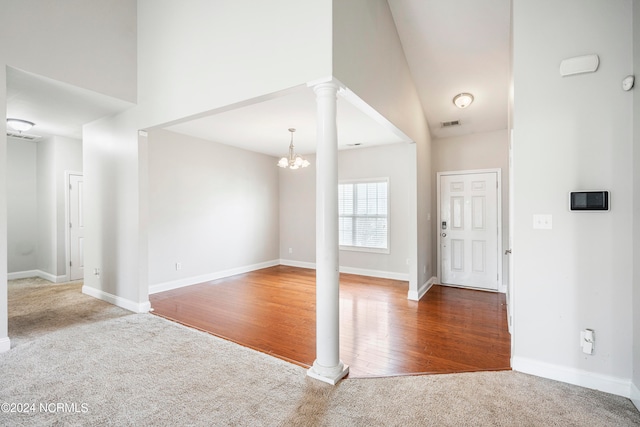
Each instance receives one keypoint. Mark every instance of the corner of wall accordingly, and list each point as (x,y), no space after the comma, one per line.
(417,295)
(635,395)
(127,304)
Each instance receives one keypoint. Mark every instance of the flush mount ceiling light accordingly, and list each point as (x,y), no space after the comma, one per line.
(292,160)
(463,100)
(20,125)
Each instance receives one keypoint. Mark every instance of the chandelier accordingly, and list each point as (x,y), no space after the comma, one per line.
(292,160)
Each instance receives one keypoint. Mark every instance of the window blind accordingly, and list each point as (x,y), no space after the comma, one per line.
(364,214)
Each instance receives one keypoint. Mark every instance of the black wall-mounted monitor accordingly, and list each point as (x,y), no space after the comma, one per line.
(589,200)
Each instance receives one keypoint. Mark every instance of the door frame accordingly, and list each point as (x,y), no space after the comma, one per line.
(67,220)
(498,173)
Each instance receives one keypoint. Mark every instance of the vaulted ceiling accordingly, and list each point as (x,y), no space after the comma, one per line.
(452,46)
(456,46)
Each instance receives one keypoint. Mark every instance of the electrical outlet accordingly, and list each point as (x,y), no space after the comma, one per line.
(178,266)
(96,272)
(587,341)
(290,250)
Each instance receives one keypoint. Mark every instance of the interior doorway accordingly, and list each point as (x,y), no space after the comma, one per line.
(75,239)
(469,229)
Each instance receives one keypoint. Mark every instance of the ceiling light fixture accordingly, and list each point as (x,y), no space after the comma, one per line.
(292,160)
(20,125)
(463,100)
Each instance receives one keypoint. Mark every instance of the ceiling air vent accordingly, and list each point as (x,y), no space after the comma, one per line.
(450,124)
(23,136)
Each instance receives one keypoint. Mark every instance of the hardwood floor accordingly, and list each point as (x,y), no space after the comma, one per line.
(381,333)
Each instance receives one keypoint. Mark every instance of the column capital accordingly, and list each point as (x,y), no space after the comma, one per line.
(326,83)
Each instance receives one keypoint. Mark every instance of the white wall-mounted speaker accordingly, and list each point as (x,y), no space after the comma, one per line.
(579,65)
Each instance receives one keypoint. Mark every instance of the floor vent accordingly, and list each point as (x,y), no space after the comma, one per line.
(23,136)
(450,124)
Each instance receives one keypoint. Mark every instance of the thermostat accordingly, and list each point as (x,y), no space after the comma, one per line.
(589,201)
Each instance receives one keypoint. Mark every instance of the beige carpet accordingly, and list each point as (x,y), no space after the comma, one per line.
(79,361)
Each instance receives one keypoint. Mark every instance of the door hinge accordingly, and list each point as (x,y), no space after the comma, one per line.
(70,225)
(70,187)
(70,263)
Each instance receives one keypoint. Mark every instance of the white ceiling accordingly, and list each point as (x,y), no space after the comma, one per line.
(455,46)
(263,126)
(452,46)
(56,108)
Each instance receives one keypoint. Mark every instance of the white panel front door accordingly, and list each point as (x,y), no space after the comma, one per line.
(469,230)
(76,227)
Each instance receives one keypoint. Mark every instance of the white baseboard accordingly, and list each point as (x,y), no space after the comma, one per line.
(188,281)
(606,383)
(50,277)
(635,395)
(36,273)
(502,288)
(5,344)
(143,307)
(299,264)
(417,295)
(351,270)
(23,274)
(375,273)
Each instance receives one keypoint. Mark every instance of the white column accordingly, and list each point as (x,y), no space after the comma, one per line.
(327,367)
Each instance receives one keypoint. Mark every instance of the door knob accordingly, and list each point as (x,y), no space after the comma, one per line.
(507,252)
(444,234)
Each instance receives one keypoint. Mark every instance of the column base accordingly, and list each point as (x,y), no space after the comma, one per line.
(330,375)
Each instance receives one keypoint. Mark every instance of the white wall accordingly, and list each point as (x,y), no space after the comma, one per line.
(5,343)
(486,150)
(36,204)
(68,158)
(22,225)
(635,392)
(87,43)
(213,208)
(389,161)
(298,214)
(47,212)
(573,133)
(191,60)
(56,155)
(368,58)
(217,52)
(297,210)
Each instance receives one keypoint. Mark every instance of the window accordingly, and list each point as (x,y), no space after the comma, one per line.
(363,208)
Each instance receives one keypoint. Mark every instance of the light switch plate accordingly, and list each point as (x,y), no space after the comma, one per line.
(542,222)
